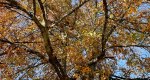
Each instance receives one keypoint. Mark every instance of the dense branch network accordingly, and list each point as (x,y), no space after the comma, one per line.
(53,60)
(44,32)
(24,47)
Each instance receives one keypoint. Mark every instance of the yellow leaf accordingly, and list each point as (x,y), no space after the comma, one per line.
(86,70)
(132,10)
(111,16)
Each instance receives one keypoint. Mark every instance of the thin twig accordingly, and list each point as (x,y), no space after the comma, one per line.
(30,66)
(25,48)
(120,46)
(69,13)
(27,42)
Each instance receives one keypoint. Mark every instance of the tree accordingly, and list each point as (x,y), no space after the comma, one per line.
(63,39)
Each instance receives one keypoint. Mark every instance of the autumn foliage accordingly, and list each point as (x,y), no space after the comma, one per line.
(74,39)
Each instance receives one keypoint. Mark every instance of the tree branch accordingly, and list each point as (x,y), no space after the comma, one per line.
(27,42)
(70,12)
(104,30)
(25,48)
(114,77)
(31,66)
(44,32)
(34,7)
(110,32)
(1,54)
(20,14)
(43,11)
(129,28)
(120,46)
(16,5)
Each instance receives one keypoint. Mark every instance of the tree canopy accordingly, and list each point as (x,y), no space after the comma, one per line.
(74,39)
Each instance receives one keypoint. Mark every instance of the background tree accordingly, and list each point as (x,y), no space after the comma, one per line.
(74,39)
